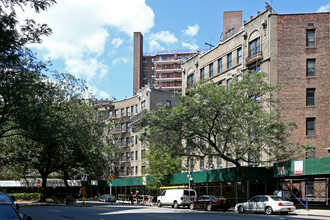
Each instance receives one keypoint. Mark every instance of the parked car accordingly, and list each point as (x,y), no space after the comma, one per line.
(210,202)
(9,212)
(176,197)
(108,198)
(266,203)
(8,198)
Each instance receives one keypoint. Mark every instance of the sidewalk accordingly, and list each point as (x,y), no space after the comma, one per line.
(313,212)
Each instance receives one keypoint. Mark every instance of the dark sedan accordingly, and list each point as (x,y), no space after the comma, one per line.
(8,211)
(209,203)
(5,197)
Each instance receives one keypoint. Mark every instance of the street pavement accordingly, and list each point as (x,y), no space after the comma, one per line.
(313,211)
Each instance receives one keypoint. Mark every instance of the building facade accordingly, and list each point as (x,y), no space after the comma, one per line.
(126,116)
(294,50)
(160,69)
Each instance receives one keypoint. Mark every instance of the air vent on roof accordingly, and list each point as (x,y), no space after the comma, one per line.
(310,24)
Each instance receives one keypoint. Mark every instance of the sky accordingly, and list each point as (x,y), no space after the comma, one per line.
(93,39)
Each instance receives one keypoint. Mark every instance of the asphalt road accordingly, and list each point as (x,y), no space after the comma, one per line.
(103,211)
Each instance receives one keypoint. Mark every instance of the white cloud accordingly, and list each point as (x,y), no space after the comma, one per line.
(81,30)
(191,31)
(161,37)
(323,8)
(116,42)
(86,68)
(120,60)
(192,45)
(97,92)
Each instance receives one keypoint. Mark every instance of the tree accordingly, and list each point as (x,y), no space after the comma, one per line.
(162,162)
(240,123)
(66,137)
(20,72)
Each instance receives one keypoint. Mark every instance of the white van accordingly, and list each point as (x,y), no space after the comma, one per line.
(176,197)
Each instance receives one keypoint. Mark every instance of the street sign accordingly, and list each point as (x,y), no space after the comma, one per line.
(38,184)
(110,178)
(84,177)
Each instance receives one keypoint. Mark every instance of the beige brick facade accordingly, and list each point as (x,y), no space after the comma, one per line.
(283,55)
(126,115)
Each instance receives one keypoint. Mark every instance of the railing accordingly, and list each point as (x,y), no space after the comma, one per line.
(253,58)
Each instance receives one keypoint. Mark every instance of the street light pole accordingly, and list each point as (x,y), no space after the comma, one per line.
(110,184)
(189,176)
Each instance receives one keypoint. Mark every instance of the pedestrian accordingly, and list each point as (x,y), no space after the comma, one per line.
(151,198)
(131,198)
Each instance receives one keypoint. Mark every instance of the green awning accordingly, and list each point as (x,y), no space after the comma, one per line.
(206,176)
(301,168)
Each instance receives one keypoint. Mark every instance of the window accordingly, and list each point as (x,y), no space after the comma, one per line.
(127,141)
(132,141)
(211,70)
(310,97)
(239,78)
(127,111)
(116,112)
(127,171)
(310,38)
(136,170)
(132,155)
(136,155)
(254,47)
(127,156)
(219,162)
(229,81)
(310,126)
(136,109)
(122,127)
(201,163)
(122,112)
(143,105)
(229,61)
(310,67)
(219,65)
(202,73)
(190,80)
(255,68)
(239,55)
(110,114)
(132,171)
(132,110)
(210,162)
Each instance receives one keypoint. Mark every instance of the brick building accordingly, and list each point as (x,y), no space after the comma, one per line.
(160,69)
(303,72)
(294,50)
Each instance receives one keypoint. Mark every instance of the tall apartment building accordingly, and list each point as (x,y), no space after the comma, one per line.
(126,116)
(160,69)
(294,49)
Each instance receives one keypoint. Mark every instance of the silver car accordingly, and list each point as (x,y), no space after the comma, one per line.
(267,204)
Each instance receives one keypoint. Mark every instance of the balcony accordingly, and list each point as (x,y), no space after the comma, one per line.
(168,77)
(254,58)
(169,85)
(167,61)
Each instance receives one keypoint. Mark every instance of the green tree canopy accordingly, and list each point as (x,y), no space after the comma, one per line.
(239,123)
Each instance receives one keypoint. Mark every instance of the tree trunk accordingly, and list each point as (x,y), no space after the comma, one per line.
(44,186)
